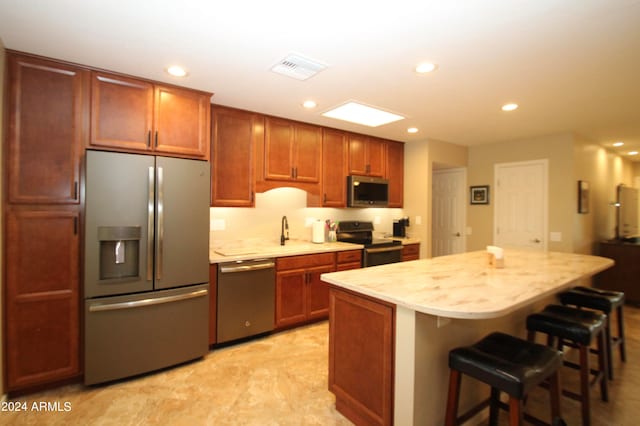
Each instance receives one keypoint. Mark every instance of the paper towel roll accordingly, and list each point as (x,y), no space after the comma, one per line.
(317,232)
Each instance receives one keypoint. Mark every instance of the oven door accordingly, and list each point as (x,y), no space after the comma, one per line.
(381,255)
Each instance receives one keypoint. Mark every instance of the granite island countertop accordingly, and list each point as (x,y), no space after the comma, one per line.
(466,286)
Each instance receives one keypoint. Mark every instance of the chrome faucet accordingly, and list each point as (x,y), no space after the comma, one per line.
(284,227)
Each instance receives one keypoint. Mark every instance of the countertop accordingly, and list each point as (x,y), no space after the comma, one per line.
(245,250)
(465,286)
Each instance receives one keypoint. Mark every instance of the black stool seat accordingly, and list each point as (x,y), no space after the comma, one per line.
(593,298)
(606,301)
(505,362)
(567,323)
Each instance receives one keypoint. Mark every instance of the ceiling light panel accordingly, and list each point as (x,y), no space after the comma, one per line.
(354,112)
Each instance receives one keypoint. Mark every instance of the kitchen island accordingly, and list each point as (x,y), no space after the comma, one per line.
(392,326)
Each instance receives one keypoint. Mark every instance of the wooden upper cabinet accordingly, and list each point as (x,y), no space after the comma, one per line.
(121,112)
(293,151)
(366,156)
(334,168)
(47,121)
(235,134)
(137,115)
(395,173)
(182,122)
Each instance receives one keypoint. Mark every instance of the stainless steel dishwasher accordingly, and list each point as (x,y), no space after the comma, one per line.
(246,298)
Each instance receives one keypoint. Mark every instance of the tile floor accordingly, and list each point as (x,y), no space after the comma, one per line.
(278,380)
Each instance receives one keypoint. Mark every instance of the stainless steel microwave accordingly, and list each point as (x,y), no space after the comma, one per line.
(365,191)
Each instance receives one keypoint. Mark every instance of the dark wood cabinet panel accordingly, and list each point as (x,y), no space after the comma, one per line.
(293,151)
(361,356)
(121,112)
(308,153)
(411,252)
(290,297)
(334,168)
(137,115)
(395,173)
(366,156)
(235,134)
(182,122)
(300,294)
(625,274)
(42,297)
(47,121)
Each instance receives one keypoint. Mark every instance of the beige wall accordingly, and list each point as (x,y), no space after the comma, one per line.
(571,158)
(2,68)
(420,158)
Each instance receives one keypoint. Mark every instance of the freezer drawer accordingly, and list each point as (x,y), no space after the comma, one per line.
(129,335)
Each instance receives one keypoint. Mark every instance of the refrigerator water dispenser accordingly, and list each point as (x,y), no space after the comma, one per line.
(119,252)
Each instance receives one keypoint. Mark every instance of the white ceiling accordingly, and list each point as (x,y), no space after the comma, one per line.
(572,65)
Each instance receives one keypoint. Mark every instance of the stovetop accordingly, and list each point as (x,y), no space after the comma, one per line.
(362,233)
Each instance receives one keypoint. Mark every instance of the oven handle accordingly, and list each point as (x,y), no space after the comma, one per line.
(147,302)
(383,249)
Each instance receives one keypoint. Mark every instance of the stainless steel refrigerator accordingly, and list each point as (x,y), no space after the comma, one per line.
(146,266)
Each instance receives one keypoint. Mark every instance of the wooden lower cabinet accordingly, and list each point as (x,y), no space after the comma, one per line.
(411,252)
(361,356)
(42,297)
(300,294)
(348,259)
(625,274)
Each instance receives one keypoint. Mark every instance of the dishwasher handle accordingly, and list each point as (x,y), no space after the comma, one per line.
(239,267)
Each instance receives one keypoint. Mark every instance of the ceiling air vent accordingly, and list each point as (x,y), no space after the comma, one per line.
(298,67)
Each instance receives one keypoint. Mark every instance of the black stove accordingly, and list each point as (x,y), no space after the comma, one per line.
(377,251)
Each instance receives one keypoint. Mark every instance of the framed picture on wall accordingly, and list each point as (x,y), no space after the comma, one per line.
(583,197)
(479,194)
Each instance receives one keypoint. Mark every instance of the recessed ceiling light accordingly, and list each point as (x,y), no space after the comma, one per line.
(177,71)
(633,152)
(619,143)
(309,104)
(362,114)
(412,130)
(425,67)
(509,107)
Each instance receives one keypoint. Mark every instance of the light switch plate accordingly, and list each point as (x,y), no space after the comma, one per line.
(418,220)
(555,236)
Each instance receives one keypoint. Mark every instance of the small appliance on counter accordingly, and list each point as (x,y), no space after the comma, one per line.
(400,227)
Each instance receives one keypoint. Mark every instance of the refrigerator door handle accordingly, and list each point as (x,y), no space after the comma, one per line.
(150,224)
(160,258)
(147,302)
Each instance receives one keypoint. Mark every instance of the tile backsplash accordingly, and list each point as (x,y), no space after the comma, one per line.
(229,224)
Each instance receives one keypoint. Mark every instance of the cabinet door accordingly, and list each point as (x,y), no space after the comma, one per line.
(46,112)
(376,158)
(290,297)
(182,122)
(334,168)
(317,292)
(42,297)
(121,112)
(395,173)
(278,152)
(235,134)
(358,155)
(308,153)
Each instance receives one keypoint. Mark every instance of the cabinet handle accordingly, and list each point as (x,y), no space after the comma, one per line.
(252,195)
(156,142)
(324,199)
(296,174)
(149,139)
(75,225)
(75,190)
(367,168)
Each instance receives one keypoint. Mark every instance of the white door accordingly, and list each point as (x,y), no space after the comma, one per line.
(448,212)
(521,214)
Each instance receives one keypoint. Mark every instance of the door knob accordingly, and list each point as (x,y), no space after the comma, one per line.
(535,240)
(457,234)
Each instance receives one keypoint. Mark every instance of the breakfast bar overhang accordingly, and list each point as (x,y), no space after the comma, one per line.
(391,327)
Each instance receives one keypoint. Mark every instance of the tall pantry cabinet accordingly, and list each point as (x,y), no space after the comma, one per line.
(46,125)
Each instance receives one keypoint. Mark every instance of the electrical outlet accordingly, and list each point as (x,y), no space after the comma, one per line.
(377,220)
